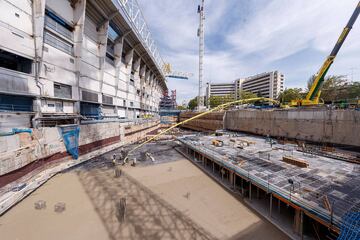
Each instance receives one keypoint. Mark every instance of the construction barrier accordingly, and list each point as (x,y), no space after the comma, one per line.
(70,136)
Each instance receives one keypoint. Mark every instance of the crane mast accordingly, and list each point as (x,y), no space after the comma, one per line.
(201,35)
(313,96)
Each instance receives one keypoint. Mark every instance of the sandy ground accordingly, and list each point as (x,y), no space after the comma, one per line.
(78,221)
(173,200)
(197,196)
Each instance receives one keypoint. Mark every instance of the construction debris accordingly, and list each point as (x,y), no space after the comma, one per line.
(60,207)
(41,204)
(294,161)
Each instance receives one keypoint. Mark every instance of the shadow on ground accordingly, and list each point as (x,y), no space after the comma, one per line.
(147,215)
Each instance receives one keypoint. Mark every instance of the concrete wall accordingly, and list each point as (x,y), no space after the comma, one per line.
(207,123)
(330,126)
(17,151)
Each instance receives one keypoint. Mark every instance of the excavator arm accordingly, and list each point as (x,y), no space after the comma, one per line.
(312,98)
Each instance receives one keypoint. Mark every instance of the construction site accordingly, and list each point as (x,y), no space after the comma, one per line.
(94,144)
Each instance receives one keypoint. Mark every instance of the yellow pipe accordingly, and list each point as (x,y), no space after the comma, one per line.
(202,114)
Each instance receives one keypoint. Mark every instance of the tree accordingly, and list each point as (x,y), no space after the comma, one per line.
(192,103)
(290,94)
(247,95)
(332,88)
(180,107)
(215,101)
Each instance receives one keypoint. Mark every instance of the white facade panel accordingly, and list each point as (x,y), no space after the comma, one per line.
(18,43)
(15,17)
(62,8)
(89,84)
(107,89)
(109,79)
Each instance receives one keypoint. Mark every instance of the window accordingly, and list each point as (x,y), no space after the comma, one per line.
(124,103)
(89,96)
(110,59)
(132,82)
(58,25)
(62,90)
(107,99)
(15,62)
(131,104)
(58,43)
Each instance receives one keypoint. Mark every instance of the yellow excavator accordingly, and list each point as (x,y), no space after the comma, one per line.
(313,96)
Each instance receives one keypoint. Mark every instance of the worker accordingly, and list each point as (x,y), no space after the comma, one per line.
(134,162)
(114,158)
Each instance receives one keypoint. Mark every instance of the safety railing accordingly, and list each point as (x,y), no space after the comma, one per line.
(137,20)
(292,196)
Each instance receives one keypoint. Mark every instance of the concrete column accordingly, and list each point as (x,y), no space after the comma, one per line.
(38,8)
(242,187)
(118,49)
(79,21)
(250,191)
(271,200)
(257,193)
(128,64)
(279,205)
(102,39)
(302,225)
(213,167)
(297,221)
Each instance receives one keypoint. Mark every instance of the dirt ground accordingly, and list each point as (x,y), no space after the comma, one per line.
(173,200)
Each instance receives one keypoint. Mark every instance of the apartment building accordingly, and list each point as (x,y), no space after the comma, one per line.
(268,84)
(65,60)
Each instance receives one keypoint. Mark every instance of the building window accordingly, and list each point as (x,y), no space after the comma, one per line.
(15,62)
(124,103)
(58,43)
(62,90)
(58,25)
(132,82)
(131,104)
(107,100)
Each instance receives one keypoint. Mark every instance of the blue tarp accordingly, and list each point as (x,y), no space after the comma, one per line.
(70,135)
(350,229)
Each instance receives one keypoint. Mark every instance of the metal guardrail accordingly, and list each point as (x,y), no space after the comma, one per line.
(137,20)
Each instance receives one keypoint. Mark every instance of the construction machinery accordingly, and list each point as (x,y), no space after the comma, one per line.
(169,73)
(217,143)
(313,96)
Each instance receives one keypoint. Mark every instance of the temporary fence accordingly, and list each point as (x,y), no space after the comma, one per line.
(350,229)
(70,135)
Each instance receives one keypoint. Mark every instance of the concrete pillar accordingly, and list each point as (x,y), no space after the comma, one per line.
(128,64)
(279,205)
(38,8)
(242,187)
(302,225)
(213,167)
(250,190)
(234,180)
(79,22)
(271,200)
(297,221)
(102,40)
(257,193)
(118,49)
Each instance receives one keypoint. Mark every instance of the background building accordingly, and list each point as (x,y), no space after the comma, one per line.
(61,61)
(268,85)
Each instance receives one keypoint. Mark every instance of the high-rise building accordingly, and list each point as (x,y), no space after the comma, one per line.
(268,84)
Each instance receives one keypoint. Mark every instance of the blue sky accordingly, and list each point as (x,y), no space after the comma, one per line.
(246,37)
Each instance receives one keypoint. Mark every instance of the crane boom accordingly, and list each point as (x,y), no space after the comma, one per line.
(312,98)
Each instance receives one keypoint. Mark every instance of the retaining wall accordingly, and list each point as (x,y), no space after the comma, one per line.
(46,144)
(207,123)
(316,125)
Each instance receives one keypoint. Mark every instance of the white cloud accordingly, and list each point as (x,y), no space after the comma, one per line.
(254,38)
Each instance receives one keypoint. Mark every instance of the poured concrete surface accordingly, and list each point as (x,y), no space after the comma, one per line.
(172,200)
